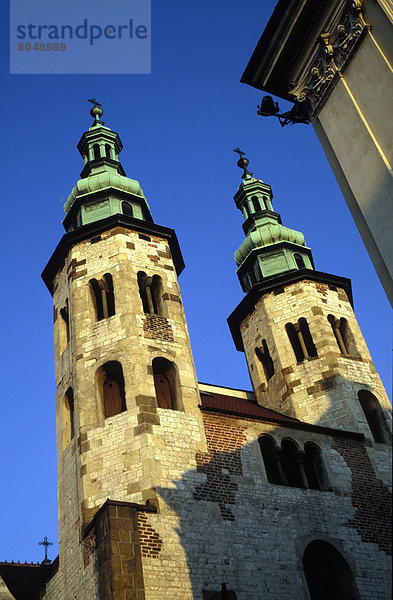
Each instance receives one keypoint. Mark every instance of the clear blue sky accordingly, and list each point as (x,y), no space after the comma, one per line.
(178,126)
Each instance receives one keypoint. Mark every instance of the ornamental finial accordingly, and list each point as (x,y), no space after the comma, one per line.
(242,163)
(96,111)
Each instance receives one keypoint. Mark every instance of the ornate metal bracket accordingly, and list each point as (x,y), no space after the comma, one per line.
(335,48)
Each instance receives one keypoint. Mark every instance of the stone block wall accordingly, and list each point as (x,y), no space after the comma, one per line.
(323,389)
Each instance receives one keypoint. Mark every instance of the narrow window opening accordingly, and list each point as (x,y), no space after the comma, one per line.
(328,574)
(64,327)
(308,341)
(68,417)
(103,297)
(126,208)
(292,464)
(271,460)
(111,383)
(166,383)
(374,415)
(297,347)
(96,150)
(314,467)
(255,203)
(263,355)
(107,151)
(299,261)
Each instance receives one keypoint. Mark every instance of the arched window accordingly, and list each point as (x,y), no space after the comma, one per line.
(299,261)
(327,573)
(297,347)
(103,296)
(150,290)
(271,460)
(314,467)
(96,150)
(255,203)
(344,338)
(292,464)
(263,355)
(301,341)
(308,341)
(126,208)
(68,417)
(110,381)
(167,385)
(64,327)
(107,151)
(374,415)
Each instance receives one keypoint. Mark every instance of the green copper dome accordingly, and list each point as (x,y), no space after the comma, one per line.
(270,249)
(103,190)
(267,234)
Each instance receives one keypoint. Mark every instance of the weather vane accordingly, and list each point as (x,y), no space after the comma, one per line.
(46,544)
(242,163)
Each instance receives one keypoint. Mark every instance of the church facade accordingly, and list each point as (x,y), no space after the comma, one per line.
(173,489)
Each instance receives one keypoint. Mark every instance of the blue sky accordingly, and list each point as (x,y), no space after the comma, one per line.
(178,126)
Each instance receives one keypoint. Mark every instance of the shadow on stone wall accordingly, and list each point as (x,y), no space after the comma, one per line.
(239,530)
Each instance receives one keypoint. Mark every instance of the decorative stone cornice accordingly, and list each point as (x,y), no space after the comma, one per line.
(335,49)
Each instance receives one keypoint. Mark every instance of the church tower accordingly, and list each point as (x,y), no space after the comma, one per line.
(122,357)
(305,352)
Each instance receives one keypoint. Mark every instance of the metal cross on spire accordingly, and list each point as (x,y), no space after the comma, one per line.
(46,544)
(94,101)
(240,152)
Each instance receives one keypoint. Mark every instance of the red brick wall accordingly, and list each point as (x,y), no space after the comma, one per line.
(224,441)
(370,497)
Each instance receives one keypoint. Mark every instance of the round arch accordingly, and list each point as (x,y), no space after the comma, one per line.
(328,574)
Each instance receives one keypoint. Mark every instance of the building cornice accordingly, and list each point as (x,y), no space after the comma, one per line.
(277,284)
(96,228)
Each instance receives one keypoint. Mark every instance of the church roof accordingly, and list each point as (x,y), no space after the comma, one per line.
(25,580)
(241,407)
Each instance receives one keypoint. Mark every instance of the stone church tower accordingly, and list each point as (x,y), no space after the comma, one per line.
(121,339)
(170,489)
(304,348)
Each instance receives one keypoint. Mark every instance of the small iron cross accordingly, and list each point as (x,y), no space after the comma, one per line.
(94,101)
(46,544)
(240,152)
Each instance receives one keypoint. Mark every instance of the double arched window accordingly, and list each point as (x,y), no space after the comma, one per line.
(150,291)
(103,296)
(289,465)
(301,340)
(342,333)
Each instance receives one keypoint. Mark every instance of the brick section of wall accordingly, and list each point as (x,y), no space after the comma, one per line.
(156,327)
(150,541)
(119,554)
(370,497)
(224,440)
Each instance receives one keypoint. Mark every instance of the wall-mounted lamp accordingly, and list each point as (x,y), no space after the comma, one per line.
(297,114)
